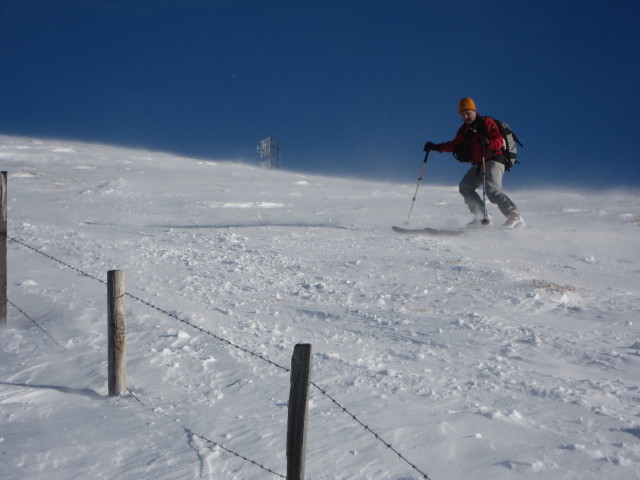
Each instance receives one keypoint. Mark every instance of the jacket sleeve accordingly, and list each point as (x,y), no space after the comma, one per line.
(449,146)
(493,135)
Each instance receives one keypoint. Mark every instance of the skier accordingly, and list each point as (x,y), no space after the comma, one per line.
(479,140)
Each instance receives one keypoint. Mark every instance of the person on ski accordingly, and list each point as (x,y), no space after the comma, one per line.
(478,140)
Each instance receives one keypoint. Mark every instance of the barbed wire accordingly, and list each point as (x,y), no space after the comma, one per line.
(207,332)
(238,347)
(154,307)
(366,427)
(228,450)
(56,260)
(232,452)
(35,323)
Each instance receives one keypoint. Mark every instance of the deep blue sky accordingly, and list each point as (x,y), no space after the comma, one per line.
(350,87)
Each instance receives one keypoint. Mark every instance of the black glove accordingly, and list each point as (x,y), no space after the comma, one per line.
(429,146)
(484,141)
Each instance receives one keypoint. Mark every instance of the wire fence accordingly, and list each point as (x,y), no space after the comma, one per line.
(229,343)
(37,324)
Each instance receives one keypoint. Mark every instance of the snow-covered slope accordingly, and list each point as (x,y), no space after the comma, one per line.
(496,354)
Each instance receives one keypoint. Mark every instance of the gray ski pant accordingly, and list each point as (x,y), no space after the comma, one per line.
(473,180)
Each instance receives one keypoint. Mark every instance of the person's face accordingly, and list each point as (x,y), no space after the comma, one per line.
(468,116)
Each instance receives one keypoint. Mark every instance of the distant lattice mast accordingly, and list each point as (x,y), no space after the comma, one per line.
(269,150)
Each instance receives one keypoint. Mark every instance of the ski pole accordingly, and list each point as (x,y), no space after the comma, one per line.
(485,219)
(426,156)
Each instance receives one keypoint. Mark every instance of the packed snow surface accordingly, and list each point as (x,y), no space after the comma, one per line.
(497,354)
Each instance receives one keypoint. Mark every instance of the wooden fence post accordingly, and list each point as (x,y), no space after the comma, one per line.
(3,249)
(298,407)
(116,333)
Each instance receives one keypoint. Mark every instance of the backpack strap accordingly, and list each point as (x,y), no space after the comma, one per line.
(515,138)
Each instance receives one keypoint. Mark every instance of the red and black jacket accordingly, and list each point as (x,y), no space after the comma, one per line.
(470,135)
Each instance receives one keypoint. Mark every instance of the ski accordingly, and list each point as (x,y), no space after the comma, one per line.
(428,231)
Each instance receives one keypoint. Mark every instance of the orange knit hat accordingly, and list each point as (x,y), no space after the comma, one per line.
(466,104)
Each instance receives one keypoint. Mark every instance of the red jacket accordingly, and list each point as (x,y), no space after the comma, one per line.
(481,127)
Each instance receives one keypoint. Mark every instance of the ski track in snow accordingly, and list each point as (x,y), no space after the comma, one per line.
(496,354)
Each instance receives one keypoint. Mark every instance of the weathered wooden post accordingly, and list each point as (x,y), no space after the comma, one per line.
(3,248)
(116,333)
(298,407)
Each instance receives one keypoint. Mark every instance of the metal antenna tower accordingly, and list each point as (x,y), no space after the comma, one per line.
(269,150)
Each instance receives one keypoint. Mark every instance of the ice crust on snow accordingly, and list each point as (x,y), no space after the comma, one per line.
(502,354)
